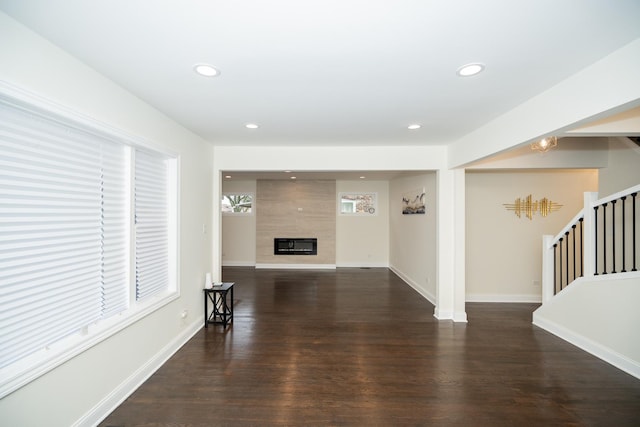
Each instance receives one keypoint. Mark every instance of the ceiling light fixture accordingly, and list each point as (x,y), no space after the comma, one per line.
(293,177)
(362,177)
(227,176)
(545,144)
(251,126)
(469,70)
(414,126)
(206,70)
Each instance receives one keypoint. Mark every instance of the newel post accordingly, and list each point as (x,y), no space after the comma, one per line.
(589,237)
(548,270)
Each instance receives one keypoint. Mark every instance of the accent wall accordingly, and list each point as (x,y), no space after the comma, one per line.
(504,252)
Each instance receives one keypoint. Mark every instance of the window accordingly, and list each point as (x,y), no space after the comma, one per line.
(358,203)
(74,200)
(237,203)
(151,224)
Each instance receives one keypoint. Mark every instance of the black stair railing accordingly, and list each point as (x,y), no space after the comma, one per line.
(633,233)
(612,235)
(616,229)
(568,263)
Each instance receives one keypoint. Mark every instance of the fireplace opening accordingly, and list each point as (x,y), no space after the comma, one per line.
(295,246)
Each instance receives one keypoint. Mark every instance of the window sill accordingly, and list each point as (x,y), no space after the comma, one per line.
(32,367)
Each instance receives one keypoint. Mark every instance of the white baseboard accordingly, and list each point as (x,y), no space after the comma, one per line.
(460,317)
(426,294)
(610,356)
(238,264)
(503,298)
(362,265)
(442,315)
(131,384)
(337,265)
(298,266)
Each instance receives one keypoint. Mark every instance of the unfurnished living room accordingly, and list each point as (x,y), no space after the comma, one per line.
(332,213)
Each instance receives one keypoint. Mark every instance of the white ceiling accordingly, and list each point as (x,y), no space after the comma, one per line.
(333,72)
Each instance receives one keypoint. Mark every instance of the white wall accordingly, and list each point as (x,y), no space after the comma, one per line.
(599,316)
(504,251)
(413,238)
(239,231)
(623,169)
(363,241)
(90,384)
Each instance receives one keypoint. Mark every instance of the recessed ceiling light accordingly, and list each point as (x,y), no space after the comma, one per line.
(287,171)
(470,69)
(228,176)
(206,70)
(251,126)
(414,126)
(293,177)
(362,177)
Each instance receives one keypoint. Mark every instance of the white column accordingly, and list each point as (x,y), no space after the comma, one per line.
(450,291)
(459,267)
(445,244)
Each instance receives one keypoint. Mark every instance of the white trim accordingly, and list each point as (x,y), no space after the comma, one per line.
(608,355)
(566,228)
(517,298)
(60,352)
(100,411)
(238,264)
(362,265)
(425,294)
(298,266)
(610,276)
(460,317)
(616,196)
(443,314)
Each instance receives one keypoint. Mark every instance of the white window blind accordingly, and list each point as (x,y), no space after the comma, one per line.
(152,224)
(77,216)
(115,228)
(50,232)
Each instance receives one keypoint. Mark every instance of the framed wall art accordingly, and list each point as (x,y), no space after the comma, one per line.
(413,202)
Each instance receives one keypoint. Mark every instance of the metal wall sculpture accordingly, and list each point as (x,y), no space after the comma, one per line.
(528,207)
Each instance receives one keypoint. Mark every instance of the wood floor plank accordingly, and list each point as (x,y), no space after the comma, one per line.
(358,347)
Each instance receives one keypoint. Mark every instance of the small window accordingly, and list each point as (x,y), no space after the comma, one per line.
(358,203)
(237,203)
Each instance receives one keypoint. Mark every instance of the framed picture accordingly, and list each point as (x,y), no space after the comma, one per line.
(358,203)
(413,202)
(237,203)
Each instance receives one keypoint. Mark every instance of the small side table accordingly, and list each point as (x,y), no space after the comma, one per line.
(221,297)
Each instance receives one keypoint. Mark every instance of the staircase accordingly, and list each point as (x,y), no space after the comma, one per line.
(591,282)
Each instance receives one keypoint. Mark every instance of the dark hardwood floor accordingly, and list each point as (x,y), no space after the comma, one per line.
(359,347)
